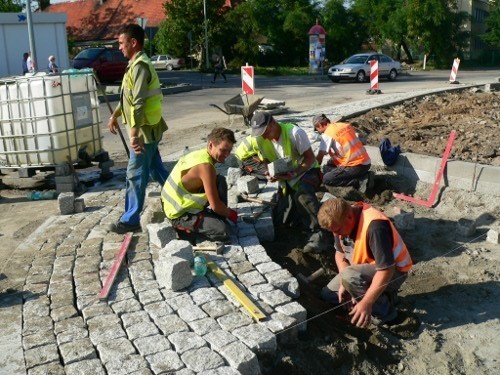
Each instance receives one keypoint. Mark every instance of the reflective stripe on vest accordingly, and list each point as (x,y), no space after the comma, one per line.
(352,151)
(360,254)
(152,107)
(177,201)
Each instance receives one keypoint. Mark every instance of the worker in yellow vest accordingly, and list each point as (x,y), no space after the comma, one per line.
(140,109)
(253,153)
(349,162)
(372,259)
(290,141)
(194,197)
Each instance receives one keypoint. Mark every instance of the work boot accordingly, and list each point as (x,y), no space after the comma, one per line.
(122,228)
(383,311)
(318,243)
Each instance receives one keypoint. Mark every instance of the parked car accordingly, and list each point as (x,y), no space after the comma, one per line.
(358,67)
(108,63)
(167,62)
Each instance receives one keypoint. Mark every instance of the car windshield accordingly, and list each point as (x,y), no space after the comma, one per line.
(88,54)
(355,60)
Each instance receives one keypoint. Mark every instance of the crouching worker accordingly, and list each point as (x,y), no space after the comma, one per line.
(349,161)
(371,257)
(253,156)
(194,197)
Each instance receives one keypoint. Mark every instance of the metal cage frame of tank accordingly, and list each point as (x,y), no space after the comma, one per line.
(12,155)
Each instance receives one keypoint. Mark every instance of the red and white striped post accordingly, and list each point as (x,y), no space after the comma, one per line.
(454,71)
(247,81)
(374,78)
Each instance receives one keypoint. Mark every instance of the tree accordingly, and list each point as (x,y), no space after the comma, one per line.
(492,36)
(185,16)
(435,27)
(10,6)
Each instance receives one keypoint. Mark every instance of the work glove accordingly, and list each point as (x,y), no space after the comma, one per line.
(233,216)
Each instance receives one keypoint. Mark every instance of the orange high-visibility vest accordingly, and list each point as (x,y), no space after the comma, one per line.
(352,151)
(360,253)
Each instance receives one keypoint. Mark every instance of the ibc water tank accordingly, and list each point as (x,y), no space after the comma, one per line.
(45,118)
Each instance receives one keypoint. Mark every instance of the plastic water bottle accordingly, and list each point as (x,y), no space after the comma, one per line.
(41,195)
(200,266)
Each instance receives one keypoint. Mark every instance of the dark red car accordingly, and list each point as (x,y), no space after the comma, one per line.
(108,63)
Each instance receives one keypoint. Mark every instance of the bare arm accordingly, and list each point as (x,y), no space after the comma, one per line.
(361,313)
(207,175)
(320,156)
(307,163)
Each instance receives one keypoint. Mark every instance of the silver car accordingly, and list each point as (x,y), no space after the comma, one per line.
(358,67)
(167,62)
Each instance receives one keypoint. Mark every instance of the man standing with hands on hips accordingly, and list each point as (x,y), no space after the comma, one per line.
(140,108)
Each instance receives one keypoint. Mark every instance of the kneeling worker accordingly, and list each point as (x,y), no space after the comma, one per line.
(349,160)
(373,268)
(288,140)
(253,153)
(194,197)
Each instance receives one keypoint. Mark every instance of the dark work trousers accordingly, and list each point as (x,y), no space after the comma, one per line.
(254,167)
(301,206)
(207,223)
(344,176)
(219,70)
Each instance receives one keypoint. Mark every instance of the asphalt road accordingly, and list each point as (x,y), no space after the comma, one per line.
(301,93)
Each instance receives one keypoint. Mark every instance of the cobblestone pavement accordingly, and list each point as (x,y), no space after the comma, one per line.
(52,321)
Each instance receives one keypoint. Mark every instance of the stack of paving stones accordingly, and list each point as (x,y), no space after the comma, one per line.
(142,328)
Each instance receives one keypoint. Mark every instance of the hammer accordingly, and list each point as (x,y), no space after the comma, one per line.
(218,247)
(313,276)
(245,197)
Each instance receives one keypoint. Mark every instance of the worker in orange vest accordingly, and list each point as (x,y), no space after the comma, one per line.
(349,161)
(372,259)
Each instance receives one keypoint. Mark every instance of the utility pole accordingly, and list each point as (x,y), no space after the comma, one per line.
(31,35)
(206,33)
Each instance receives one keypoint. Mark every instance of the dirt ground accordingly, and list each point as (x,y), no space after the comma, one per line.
(448,320)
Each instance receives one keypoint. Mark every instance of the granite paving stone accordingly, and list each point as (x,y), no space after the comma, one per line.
(241,358)
(64,312)
(100,333)
(62,299)
(66,324)
(149,296)
(184,341)
(258,258)
(191,313)
(267,267)
(152,344)
(141,285)
(241,267)
(136,317)
(52,368)
(199,282)
(258,338)
(126,306)
(165,362)
(274,298)
(85,367)
(255,290)
(203,326)
(218,339)
(202,359)
(218,308)
(284,327)
(99,308)
(41,355)
(143,329)
(37,324)
(127,365)
(203,295)
(234,320)
(177,302)
(296,311)
(39,339)
(169,324)
(36,308)
(224,370)
(158,309)
(251,278)
(77,350)
(72,334)
(84,301)
(117,349)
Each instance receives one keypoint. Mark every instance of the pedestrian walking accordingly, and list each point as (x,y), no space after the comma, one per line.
(25,63)
(220,67)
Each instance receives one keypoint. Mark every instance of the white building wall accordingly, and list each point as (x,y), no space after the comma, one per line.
(49,30)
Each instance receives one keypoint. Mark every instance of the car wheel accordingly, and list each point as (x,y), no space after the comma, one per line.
(169,67)
(361,76)
(392,75)
(335,79)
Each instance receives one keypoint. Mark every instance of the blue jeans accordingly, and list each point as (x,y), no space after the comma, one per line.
(139,168)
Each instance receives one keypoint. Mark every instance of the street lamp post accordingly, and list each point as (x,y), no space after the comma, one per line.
(31,35)
(206,32)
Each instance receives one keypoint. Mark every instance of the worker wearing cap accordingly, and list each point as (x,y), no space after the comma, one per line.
(194,197)
(253,153)
(372,259)
(290,141)
(349,160)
